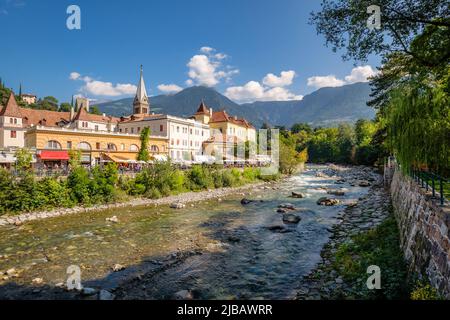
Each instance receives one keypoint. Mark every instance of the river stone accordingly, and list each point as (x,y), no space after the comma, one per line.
(105,295)
(297,195)
(281,210)
(291,218)
(289,206)
(117,267)
(177,205)
(88,291)
(336,192)
(245,201)
(364,183)
(37,281)
(324,201)
(183,295)
(113,219)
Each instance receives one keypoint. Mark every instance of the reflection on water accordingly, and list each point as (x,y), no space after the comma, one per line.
(242,258)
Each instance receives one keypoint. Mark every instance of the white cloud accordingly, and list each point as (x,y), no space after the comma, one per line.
(325,81)
(207,69)
(254,91)
(102,88)
(358,74)
(169,88)
(285,79)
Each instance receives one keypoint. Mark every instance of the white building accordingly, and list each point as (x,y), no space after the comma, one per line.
(185,136)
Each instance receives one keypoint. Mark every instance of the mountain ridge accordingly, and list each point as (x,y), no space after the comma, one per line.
(323,107)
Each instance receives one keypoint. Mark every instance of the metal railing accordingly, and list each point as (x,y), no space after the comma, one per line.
(431,181)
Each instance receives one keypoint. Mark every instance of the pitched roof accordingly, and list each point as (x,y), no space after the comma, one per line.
(11,109)
(222,116)
(43,117)
(202,109)
(141,93)
(83,115)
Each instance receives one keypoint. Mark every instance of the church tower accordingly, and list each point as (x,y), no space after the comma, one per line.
(141,104)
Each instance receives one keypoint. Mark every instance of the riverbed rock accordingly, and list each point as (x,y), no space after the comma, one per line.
(364,183)
(118,267)
(291,218)
(324,201)
(37,281)
(278,228)
(281,210)
(288,206)
(297,195)
(245,201)
(184,295)
(105,295)
(177,205)
(336,192)
(113,219)
(88,291)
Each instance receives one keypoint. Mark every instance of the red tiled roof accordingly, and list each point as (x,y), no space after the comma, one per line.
(11,109)
(83,115)
(221,116)
(43,117)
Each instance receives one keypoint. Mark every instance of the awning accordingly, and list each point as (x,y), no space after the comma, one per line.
(53,155)
(7,158)
(160,157)
(120,159)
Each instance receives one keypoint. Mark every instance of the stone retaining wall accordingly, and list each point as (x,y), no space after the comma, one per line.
(424,231)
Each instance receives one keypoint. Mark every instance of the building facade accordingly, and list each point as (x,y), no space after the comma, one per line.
(28,98)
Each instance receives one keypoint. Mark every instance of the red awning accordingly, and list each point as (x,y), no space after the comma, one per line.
(54,155)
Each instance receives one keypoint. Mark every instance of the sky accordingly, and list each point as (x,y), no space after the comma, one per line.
(249,50)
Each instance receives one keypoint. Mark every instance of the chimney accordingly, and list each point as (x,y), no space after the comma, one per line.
(104,115)
(72,113)
(210,112)
(235,118)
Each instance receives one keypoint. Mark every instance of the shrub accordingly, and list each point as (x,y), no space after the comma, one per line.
(199,178)
(251,174)
(424,291)
(6,186)
(218,178)
(153,193)
(52,193)
(79,185)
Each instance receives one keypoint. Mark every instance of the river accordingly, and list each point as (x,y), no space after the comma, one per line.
(232,252)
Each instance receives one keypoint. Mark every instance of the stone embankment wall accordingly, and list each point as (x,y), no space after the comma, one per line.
(424,231)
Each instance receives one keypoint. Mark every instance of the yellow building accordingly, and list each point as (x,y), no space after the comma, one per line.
(226,130)
(54,143)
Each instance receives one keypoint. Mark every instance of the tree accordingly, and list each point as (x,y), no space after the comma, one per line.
(364,132)
(289,159)
(95,110)
(48,103)
(64,107)
(143,154)
(344,25)
(346,144)
(296,128)
(23,160)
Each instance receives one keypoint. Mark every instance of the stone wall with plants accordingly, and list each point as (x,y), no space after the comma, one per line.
(424,232)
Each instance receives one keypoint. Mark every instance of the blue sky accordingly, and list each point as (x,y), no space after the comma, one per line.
(248,49)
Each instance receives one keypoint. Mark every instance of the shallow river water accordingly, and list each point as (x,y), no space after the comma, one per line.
(241,257)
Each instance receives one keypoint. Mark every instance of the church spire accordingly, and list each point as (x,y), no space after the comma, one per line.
(141,104)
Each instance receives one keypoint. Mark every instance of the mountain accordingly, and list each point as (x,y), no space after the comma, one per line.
(324,107)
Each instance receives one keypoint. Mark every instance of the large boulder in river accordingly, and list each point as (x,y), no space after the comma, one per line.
(246,201)
(297,195)
(324,201)
(177,205)
(291,218)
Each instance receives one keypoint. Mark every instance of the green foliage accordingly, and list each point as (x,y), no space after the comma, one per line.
(143,154)
(199,178)
(424,291)
(380,247)
(74,158)
(298,127)
(79,184)
(95,110)
(64,107)
(103,183)
(23,160)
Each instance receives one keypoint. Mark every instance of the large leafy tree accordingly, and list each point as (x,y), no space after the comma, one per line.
(143,154)
(344,25)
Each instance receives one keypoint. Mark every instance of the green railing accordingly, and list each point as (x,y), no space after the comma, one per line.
(431,181)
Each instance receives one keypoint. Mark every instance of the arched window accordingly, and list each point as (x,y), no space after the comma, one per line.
(111,147)
(154,148)
(52,144)
(84,146)
(134,148)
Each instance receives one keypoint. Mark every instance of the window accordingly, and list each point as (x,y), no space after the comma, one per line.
(111,147)
(69,144)
(13,134)
(97,146)
(84,124)
(171,142)
(96,127)
(178,129)
(122,147)
(52,144)
(132,130)
(134,148)
(190,131)
(191,143)
(84,146)
(138,129)
(126,130)
(15,120)
(120,130)
(161,128)
(11,120)
(154,148)
(178,142)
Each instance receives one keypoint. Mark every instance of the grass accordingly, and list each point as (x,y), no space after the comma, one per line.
(380,247)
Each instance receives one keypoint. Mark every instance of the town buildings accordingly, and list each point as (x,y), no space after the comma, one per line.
(28,98)
(103,138)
